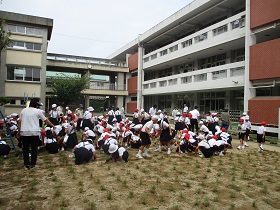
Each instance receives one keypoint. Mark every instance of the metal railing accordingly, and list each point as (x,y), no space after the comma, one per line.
(106,86)
(85,60)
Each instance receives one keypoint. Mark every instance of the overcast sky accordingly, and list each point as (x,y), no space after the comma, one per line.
(95,28)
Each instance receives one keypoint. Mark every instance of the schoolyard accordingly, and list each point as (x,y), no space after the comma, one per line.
(240,180)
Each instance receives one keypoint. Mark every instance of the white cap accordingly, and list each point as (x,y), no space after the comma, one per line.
(178,113)
(54,106)
(247,117)
(90,109)
(142,110)
(244,113)
(218,132)
(159,111)
(113,148)
(200,122)
(86,128)
(200,137)
(155,117)
(114,119)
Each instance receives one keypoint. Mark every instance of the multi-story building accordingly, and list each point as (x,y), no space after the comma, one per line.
(23,63)
(216,54)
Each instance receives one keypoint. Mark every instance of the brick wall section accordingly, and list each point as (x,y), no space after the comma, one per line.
(264,109)
(133,62)
(265,60)
(131,106)
(264,12)
(132,85)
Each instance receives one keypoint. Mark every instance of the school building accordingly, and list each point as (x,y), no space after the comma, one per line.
(216,54)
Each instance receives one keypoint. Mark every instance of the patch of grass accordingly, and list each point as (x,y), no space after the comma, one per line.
(171,188)
(81,190)
(109,195)
(265,189)
(198,191)
(254,204)
(144,200)
(233,194)
(124,182)
(71,169)
(57,193)
(102,188)
(232,206)
(175,207)
(277,188)
(91,206)
(188,184)
(153,189)
(63,203)
(130,194)
(81,183)
(206,202)
(31,205)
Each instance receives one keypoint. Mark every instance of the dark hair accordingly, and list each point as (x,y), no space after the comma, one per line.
(33,102)
(155,106)
(117,108)
(49,134)
(70,115)
(196,107)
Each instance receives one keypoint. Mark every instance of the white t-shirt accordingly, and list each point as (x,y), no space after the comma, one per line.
(261,130)
(90,133)
(195,114)
(137,127)
(148,125)
(111,113)
(163,125)
(117,112)
(204,143)
(57,129)
(187,121)
(220,142)
(203,128)
(212,142)
(30,121)
(87,115)
(54,114)
(243,128)
(86,145)
(185,109)
(135,138)
(152,111)
(3,142)
(48,141)
(121,150)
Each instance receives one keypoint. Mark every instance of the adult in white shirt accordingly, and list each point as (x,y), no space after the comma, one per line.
(153,110)
(261,135)
(194,120)
(29,131)
(174,112)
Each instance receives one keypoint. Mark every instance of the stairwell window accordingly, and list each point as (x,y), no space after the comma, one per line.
(220,30)
(17,73)
(25,45)
(25,30)
(164,52)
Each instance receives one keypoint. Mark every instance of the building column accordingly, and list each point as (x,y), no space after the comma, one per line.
(119,102)
(250,39)
(112,81)
(140,98)
(120,81)
(86,101)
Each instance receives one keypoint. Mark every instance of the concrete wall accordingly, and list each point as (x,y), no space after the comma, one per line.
(25,58)
(17,89)
(131,106)
(264,11)
(265,60)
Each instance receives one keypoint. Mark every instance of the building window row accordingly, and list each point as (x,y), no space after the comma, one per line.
(216,60)
(219,74)
(18,73)
(220,30)
(25,30)
(25,45)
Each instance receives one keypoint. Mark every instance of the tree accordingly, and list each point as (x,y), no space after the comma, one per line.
(68,88)
(4,37)
(4,100)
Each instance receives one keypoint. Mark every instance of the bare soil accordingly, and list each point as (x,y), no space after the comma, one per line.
(240,180)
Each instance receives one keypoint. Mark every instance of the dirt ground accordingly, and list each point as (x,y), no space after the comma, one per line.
(240,180)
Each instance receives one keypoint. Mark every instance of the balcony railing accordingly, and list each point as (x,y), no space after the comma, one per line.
(192,41)
(106,86)
(85,60)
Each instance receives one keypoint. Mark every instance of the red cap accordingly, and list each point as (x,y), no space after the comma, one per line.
(185,131)
(241,120)
(185,114)
(106,136)
(190,115)
(263,123)
(136,110)
(187,136)
(223,129)
(215,137)
(106,130)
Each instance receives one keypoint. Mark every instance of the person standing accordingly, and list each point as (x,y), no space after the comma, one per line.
(80,114)
(153,110)
(29,131)
(174,112)
(226,122)
(122,112)
(185,109)
(194,120)
(261,136)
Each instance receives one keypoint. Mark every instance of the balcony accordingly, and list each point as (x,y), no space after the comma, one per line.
(225,76)
(220,33)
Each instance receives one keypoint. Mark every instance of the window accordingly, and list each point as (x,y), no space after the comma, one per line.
(187,43)
(25,30)
(25,45)
(146,59)
(219,74)
(200,37)
(186,80)
(154,56)
(239,23)
(146,86)
(219,30)
(239,71)
(216,60)
(164,52)
(153,85)
(200,77)
(172,82)
(163,83)
(174,48)
(23,73)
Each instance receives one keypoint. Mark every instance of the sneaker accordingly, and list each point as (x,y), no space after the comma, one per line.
(201,155)
(5,156)
(139,156)
(221,154)
(146,155)
(169,151)
(71,155)
(243,147)
(261,148)
(26,167)
(246,145)
(62,149)
(33,166)
(157,150)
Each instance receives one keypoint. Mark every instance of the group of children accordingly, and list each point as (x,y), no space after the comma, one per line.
(113,135)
